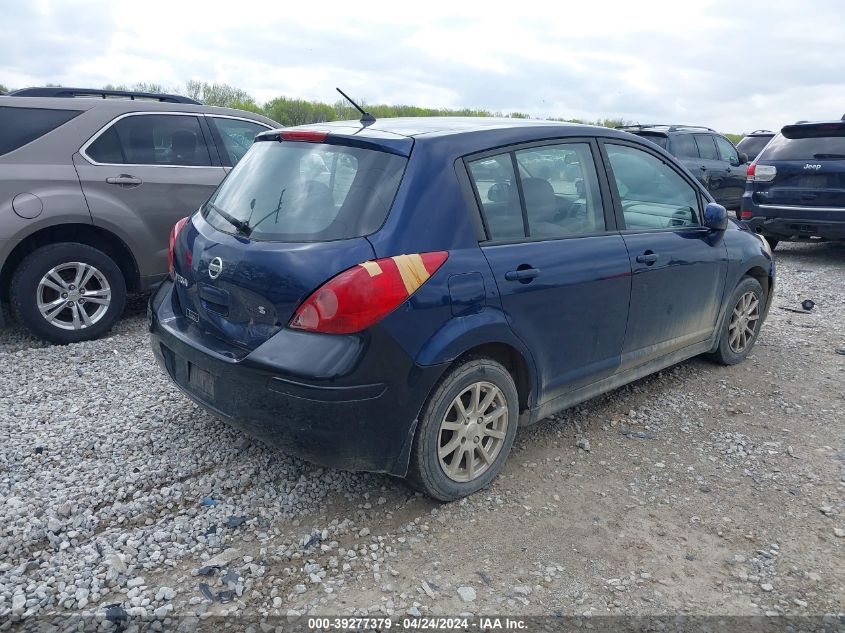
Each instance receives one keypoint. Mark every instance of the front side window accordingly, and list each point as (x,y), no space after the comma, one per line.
(559,188)
(307,192)
(237,136)
(19,126)
(653,195)
(152,139)
(727,151)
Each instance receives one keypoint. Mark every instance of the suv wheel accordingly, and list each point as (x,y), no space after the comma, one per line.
(466,431)
(742,323)
(68,292)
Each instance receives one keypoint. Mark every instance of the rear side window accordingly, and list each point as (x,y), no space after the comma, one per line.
(684,146)
(813,148)
(307,192)
(19,126)
(495,184)
(237,136)
(559,187)
(152,139)
(706,147)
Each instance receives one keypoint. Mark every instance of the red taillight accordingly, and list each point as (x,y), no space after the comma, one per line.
(749,175)
(746,215)
(363,295)
(173,233)
(303,135)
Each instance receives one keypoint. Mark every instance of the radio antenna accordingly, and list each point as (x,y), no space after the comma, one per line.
(366,117)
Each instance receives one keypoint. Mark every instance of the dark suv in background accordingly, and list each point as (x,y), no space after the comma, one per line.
(752,144)
(91,182)
(796,187)
(711,157)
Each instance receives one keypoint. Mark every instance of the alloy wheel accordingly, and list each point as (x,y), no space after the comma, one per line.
(473,431)
(73,296)
(744,321)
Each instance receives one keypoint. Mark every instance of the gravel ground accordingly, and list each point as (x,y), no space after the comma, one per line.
(700,490)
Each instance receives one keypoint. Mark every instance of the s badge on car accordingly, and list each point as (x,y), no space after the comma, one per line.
(215,267)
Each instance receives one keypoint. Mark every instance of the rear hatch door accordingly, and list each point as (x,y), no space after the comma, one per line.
(289,217)
(810,164)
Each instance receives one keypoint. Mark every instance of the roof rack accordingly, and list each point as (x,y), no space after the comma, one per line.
(761,132)
(102,94)
(674,127)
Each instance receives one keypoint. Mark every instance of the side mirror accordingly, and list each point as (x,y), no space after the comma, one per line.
(715,217)
(743,158)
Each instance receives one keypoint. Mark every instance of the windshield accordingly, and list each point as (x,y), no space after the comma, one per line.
(807,148)
(306,192)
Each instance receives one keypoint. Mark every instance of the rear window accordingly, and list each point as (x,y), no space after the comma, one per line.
(19,126)
(752,145)
(307,192)
(658,139)
(812,143)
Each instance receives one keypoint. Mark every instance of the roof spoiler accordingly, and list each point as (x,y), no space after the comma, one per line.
(821,129)
(365,138)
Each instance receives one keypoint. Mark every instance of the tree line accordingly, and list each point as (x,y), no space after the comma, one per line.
(292,111)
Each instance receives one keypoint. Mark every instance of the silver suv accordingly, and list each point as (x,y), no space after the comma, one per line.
(89,190)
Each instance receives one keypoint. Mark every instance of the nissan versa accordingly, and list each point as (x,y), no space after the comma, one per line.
(399,295)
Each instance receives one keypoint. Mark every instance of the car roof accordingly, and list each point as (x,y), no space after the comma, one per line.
(122,105)
(442,126)
(454,136)
(666,128)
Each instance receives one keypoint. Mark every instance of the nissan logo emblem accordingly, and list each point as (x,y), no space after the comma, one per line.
(215,267)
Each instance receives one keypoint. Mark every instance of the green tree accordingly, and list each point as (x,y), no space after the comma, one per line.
(3,89)
(144,86)
(217,94)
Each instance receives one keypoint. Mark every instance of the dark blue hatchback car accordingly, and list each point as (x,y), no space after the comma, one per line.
(400,296)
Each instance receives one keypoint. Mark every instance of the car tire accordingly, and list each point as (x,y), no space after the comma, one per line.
(746,306)
(45,293)
(480,439)
(773,243)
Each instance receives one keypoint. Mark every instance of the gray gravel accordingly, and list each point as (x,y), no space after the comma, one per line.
(114,488)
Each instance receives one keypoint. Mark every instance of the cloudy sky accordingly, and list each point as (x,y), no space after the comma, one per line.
(735,65)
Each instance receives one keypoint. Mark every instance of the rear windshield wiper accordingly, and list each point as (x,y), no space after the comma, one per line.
(831,156)
(240,225)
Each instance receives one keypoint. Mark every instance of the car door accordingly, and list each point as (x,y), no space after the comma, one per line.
(233,136)
(716,173)
(734,170)
(561,267)
(678,267)
(142,173)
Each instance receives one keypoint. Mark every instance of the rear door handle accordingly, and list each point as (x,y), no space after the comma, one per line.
(647,258)
(522,274)
(124,180)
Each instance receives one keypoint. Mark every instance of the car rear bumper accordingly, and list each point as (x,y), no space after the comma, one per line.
(798,228)
(360,418)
